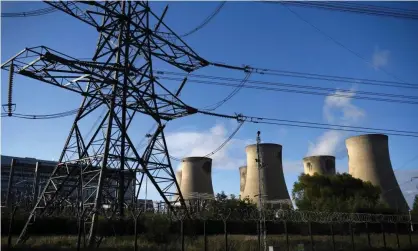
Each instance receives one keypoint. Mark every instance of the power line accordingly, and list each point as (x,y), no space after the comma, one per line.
(206,21)
(241,122)
(406,163)
(42,116)
(282,84)
(341,44)
(354,8)
(230,95)
(399,186)
(273,86)
(38,12)
(303,75)
(313,125)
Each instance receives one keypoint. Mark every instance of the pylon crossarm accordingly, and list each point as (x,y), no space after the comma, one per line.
(49,68)
(165,44)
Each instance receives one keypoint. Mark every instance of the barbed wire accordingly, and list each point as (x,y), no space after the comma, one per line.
(242,215)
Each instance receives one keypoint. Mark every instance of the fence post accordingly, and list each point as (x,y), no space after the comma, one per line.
(182,234)
(310,233)
(80,227)
(383,233)
(368,235)
(259,235)
(136,231)
(287,235)
(332,235)
(12,218)
(226,236)
(205,240)
(397,236)
(352,236)
(410,235)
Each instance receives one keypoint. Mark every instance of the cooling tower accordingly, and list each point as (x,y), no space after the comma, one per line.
(273,183)
(321,164)
(242,178)
(368,160)
(196,177)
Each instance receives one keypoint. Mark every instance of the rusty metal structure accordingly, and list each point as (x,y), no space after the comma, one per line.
(120,77)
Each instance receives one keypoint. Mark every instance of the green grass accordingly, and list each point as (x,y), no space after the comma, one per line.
(215,243)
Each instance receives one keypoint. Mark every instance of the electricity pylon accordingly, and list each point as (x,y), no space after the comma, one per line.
(120,78)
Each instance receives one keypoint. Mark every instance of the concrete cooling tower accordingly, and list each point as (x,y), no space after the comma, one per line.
(242,178)
(321,164)
(368,160)
(273,183)
(196,177)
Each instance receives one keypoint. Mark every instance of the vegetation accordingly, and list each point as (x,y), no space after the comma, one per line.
(415,205)
(336,193)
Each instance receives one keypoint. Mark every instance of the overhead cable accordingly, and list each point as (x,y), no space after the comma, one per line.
(302,89)
(313,125)
(206,21)
(43,116)
(304,75)
(354,8)
(406,163)
(241,122)
(398,186)
(215,106)
(341,44)
(38,12)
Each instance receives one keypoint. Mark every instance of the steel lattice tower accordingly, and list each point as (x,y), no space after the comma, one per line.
(120,78)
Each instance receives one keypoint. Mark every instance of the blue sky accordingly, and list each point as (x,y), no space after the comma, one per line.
(260,35)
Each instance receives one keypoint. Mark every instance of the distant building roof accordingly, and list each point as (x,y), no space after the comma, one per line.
(6,160)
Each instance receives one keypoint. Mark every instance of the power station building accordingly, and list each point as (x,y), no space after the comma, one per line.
(320,164)
(273,186)
(25,178)
(369,160)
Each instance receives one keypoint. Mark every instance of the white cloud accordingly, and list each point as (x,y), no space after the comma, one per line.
(327,144)
(380,58)
(200,143)
(342,104)
(337,110)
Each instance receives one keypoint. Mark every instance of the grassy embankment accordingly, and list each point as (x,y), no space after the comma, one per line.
(215,243)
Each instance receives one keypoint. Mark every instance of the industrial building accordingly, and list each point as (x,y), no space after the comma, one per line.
(273,186)
(369,160)
(24,178)
(320,164)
